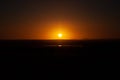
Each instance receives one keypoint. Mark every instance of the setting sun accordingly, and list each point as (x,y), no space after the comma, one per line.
(60,35)
(60,32)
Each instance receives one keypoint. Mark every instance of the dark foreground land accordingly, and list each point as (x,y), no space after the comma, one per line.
(61,51)
(33,54)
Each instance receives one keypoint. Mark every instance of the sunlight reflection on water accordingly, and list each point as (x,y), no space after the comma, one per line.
(59,45)
(64,45)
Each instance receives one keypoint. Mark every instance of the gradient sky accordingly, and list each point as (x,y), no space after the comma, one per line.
(81,19)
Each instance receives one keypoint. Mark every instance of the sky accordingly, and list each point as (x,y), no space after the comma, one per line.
(44,19)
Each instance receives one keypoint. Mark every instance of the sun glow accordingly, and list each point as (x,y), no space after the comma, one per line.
(60,32)
(60,35)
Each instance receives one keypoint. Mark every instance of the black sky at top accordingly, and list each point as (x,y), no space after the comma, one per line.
(19,14)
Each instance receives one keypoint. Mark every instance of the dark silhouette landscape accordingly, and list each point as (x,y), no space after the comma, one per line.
(34,58)
(61,51)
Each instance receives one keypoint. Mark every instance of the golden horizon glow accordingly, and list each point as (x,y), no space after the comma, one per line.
(59,31)
(60,35)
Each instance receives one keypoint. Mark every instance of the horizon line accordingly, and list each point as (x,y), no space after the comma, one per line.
(59,39)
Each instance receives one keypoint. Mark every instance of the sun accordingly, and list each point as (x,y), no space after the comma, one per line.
(60,35)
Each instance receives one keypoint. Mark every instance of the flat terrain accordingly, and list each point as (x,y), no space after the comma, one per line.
(61,51)
(35,58)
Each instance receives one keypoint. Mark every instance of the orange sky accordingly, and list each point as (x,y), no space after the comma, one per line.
(45,19)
